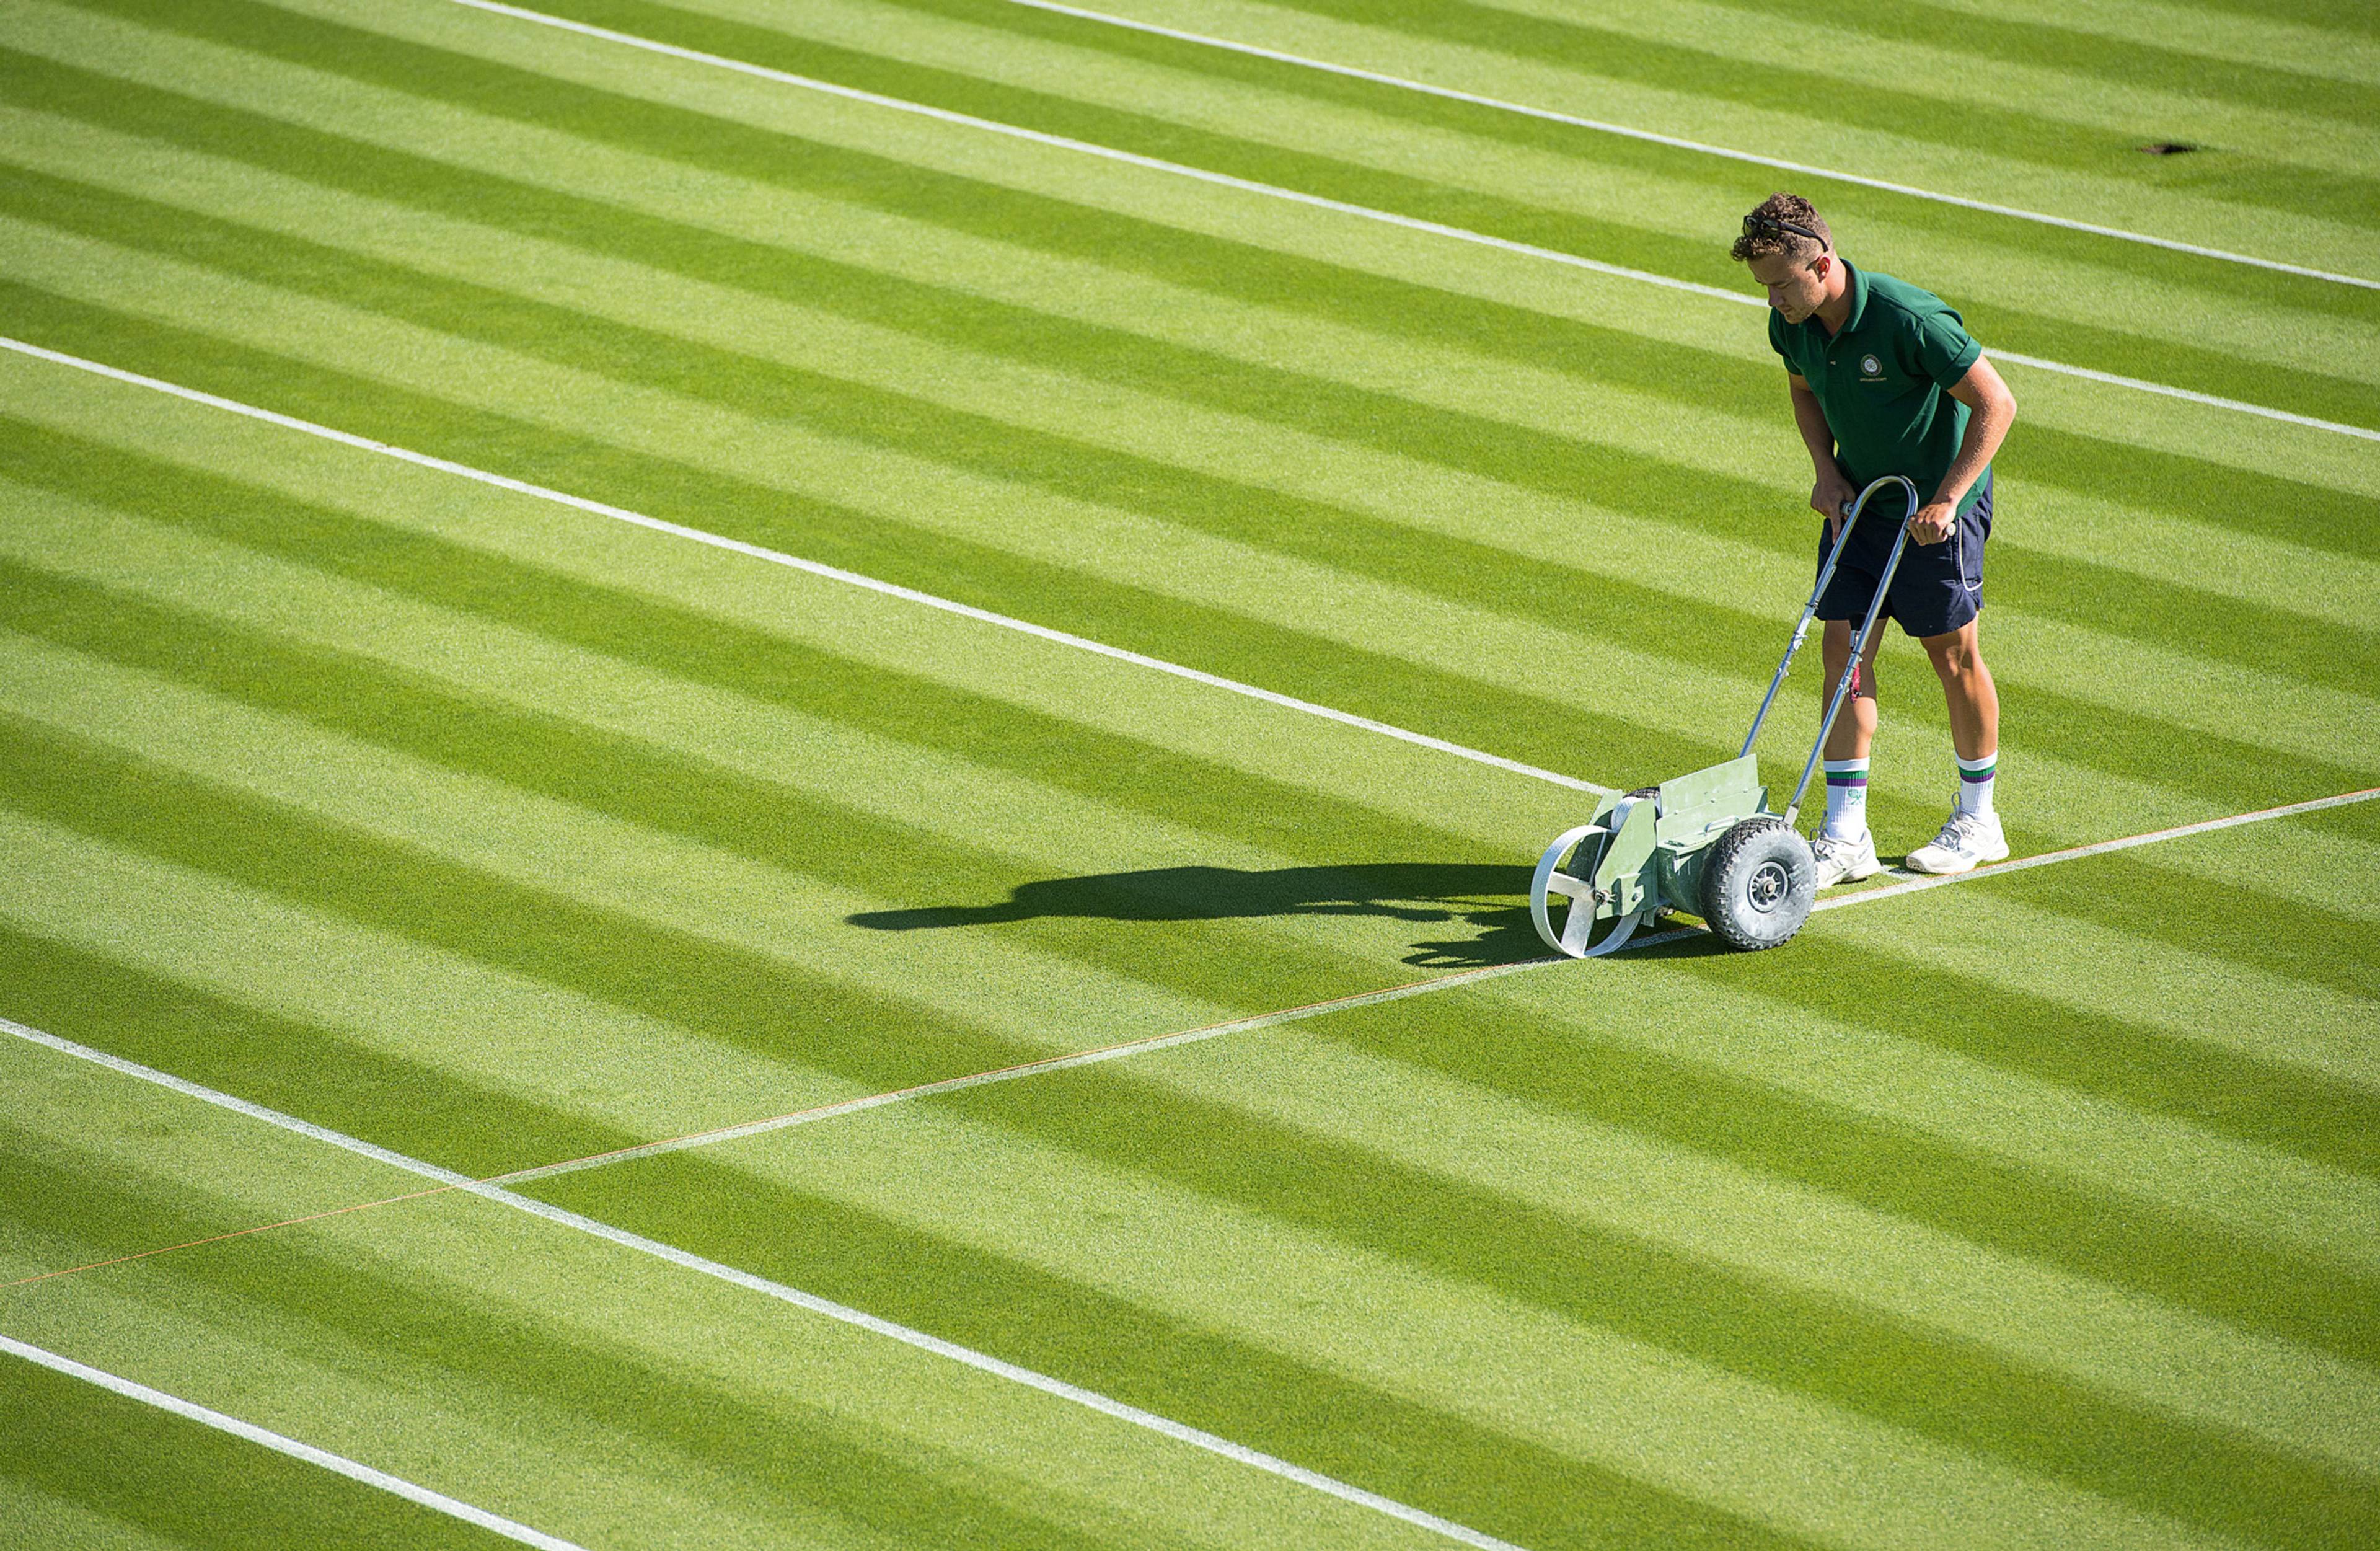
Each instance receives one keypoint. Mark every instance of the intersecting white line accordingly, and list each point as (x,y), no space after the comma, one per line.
(1680,144)
(794,562)
(840,1313)
(1388,217)
(439,1501)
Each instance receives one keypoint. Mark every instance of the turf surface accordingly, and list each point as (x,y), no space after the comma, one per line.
(2040,1211)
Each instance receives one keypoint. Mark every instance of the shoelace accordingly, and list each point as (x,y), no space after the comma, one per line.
(1962,828)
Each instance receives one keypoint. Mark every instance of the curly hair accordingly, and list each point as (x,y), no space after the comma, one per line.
(1768,230)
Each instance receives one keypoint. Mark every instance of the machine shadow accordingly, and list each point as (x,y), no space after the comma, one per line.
(1483,905)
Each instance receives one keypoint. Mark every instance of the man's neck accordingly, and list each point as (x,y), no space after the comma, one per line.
(1836,311)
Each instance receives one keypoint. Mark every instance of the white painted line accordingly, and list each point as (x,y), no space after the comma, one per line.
(1700,147)
(1366,999)
(794,562)
(1028,1068)
(1370,998)
(843,1313)
(439,1501)
(1270,190)
(2099,847)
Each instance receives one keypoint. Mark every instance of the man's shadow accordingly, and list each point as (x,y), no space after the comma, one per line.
(1485,904)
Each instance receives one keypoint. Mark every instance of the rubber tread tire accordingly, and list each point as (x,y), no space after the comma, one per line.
(1726,881)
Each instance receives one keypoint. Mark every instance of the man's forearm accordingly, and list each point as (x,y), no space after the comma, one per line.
(1812,422)
(1986,428)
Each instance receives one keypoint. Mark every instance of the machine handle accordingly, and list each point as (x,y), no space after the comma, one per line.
(1825,574)
(1859,642)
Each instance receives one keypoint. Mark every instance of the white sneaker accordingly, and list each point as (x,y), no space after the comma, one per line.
(1967,841)
(1845,861)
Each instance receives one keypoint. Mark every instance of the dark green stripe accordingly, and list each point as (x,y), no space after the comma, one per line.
(1792,1340)
(1871,102)
(1706,261)
(2132,64)
(297,1066)
(1173,1366)
(2264,504)
(786,1456)
(149,1473)
(1178,927)
(714,990)
(1847,202)
(705,649)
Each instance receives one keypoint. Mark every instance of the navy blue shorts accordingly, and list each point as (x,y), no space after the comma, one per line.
(1938,589)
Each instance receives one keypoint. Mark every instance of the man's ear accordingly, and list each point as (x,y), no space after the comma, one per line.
(1823,265)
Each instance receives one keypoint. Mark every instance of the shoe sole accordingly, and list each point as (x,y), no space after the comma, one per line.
(1916,866)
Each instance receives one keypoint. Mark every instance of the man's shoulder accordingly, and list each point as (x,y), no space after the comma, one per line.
(1902,301)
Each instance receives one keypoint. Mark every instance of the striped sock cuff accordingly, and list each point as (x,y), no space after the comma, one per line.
(1847,773)
(1978,770)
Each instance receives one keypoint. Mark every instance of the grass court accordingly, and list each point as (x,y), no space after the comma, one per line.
(854,461)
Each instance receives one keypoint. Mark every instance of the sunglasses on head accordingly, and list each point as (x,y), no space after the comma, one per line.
(1757,223)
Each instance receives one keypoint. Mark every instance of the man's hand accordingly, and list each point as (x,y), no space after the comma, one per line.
(1932,524)
(1831,497)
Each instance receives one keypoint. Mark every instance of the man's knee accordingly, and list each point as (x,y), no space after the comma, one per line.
(1956,656)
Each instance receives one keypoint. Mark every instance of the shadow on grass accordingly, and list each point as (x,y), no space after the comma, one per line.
(1487,901)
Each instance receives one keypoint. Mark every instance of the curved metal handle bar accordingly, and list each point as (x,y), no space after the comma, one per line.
(1801,629)
(1859,642)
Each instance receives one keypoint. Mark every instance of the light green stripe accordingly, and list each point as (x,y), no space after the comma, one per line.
(578,1461)
(1350,765)
(224,74)
(1786,1462)
(2100,1337)
(642,874)
(1692,207)
(488,1026)
(1814,137)
(2171,1165)
(1853,58)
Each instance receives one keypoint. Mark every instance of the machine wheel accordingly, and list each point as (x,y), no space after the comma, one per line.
(1758,884)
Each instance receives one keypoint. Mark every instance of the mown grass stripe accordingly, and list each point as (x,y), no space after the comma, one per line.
(669,644)
(2100,848)
(842,1314)
(1595,47)
(1263,605)
(1032,221)
(778,557)
(1698,147)
(570,1381)
(2089,729)
(1431,228)
(1485,573)
(338,1464)
(1009,1074)
(747,833)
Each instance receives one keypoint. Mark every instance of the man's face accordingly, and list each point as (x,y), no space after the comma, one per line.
(1795,286)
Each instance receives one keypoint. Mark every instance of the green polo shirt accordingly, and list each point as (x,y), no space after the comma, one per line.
(1884,381)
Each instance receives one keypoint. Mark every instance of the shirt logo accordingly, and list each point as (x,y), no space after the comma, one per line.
(1871,367)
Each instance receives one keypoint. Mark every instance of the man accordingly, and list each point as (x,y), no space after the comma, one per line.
(1885,380)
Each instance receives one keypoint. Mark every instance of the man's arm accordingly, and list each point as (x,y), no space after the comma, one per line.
(1992,410)
(1830,492)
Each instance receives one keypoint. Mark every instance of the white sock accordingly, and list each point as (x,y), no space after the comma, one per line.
(1975,784)
(1846,800)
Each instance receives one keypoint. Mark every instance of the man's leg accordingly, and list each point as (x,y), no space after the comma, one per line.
(1843,847)
(1855,728)
(1967,688)
(1973,837)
